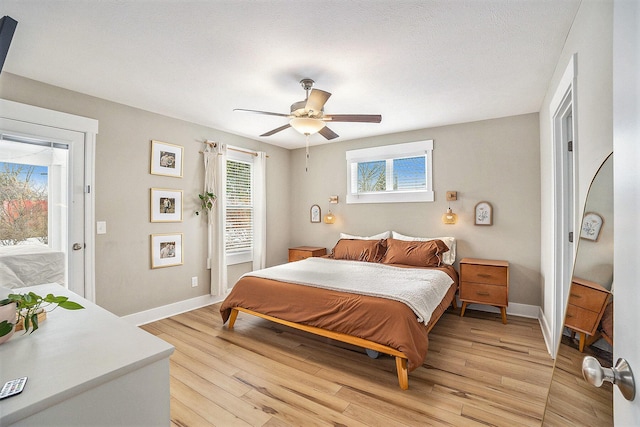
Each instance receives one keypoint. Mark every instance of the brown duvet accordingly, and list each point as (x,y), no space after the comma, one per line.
(384,321)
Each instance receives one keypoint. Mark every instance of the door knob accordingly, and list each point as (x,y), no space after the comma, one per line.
(620,375)
(77,246)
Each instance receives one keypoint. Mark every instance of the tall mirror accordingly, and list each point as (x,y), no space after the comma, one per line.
(588,327)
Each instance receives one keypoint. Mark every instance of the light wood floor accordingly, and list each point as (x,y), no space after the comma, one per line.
(573,401)
(478,372)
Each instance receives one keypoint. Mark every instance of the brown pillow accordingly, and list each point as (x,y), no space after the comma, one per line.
(360,250)
(419,254)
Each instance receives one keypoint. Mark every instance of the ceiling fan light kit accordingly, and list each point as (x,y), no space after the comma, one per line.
(306,125)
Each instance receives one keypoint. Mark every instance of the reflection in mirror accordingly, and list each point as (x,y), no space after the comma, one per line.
(588,317)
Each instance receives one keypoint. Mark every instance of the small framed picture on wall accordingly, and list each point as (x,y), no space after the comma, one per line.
(166,205)
(166,250)
(315,213)
(166,159)
(484,214)
(591,225)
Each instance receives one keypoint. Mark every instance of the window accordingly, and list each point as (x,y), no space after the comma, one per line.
(391,173)
(239,208)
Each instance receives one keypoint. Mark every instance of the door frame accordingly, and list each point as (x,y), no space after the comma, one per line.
(89,127)
(565,174)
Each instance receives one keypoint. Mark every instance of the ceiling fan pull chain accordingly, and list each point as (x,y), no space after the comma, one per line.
(306,162)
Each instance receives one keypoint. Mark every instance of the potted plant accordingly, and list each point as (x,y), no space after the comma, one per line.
(207,201)
(31,308)
(7,319)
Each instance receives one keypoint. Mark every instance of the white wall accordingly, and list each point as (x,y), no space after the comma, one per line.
(591,38)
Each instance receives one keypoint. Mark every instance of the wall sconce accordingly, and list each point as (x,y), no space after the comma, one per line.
(449,217)
(329,218)
(333,199)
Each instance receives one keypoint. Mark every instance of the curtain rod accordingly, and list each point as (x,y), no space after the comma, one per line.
(214,144)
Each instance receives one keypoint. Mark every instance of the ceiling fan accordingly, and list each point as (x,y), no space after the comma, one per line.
(308,117)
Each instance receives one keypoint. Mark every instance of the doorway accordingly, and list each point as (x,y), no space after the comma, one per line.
(49,157)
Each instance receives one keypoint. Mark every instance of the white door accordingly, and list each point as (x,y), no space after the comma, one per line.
(61,151)
(626,187)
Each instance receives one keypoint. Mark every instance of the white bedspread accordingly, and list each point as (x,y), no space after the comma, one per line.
(420,289)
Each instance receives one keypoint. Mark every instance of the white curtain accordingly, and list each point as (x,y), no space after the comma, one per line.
(260,211)
(215,176)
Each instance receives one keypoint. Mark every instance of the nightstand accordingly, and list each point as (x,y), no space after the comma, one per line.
(302,252)
(587,301)
(484,281)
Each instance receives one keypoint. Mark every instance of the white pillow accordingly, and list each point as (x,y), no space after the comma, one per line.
(447,257)
(385,235)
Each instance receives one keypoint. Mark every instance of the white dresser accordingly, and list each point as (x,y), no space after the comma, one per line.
(86,368)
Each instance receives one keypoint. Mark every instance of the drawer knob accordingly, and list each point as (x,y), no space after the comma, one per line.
(485,275)
(483,293)
(575,295)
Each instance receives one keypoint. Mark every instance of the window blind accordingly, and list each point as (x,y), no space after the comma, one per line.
(239,225)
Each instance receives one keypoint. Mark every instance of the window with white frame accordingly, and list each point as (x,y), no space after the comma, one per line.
(239,208)
(391,173)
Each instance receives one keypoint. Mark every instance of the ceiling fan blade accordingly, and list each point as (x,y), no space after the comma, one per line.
(316,101)
(361,118)
(268,113)
(328,133)
(276,130)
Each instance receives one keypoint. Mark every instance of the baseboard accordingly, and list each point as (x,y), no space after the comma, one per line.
(546,332)
(169,310)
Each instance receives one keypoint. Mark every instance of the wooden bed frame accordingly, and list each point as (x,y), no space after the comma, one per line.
(401,358)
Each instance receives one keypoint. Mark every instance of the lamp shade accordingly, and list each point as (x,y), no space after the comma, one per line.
(449,217)
(306,125)
(329,218)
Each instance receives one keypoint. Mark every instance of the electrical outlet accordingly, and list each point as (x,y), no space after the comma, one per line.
(194,281)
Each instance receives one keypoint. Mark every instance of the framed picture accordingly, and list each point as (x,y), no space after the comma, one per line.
(166,250)
(166,159)
(591,225)
(484,213)
(315,213)
(166,205)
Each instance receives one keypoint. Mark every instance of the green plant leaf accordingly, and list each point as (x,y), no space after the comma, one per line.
(34,322)
(5,328)
(70,305)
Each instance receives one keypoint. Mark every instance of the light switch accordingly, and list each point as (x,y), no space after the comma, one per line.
(101,227)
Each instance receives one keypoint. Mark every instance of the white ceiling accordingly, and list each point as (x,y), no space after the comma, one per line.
(420,63)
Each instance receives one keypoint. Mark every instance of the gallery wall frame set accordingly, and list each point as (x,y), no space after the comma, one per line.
(166,205)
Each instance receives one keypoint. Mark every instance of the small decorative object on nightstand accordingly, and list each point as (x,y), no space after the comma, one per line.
(302,252)
(484,281)
(587,301)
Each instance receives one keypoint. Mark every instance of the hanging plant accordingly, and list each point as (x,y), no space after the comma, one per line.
(207,201)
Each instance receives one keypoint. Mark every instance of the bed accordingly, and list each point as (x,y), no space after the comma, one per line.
(384,295)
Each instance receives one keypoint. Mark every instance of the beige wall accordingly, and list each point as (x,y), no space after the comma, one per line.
(125,283)
(493,160)
(591,37)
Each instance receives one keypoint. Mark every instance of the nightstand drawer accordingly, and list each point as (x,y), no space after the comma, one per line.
(581,320)
(487,274)
(483,293)
(587,298)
